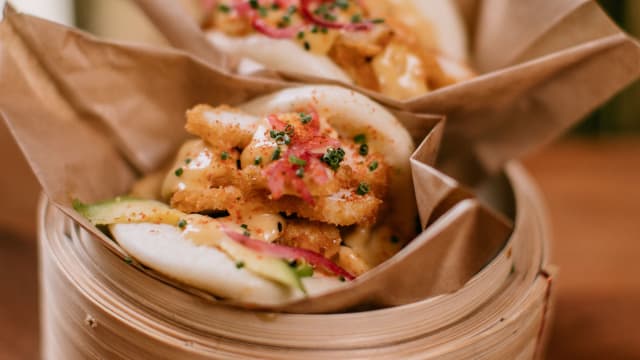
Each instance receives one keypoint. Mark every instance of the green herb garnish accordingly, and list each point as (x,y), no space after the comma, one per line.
(179,171)
(360,139)
(258,160)
(182,223)
(297,161)
(363,189)
(305,118)
(342,4)
(373,165)
(356,18)
(224,155)
(333,157)
(239,264)
(224,8)
(276,154)
(364,149)
(187,161)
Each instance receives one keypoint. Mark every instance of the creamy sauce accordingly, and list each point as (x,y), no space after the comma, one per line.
(319,42)
(261,146)
(372,245)
(400,72)
(197,161)
(206,231)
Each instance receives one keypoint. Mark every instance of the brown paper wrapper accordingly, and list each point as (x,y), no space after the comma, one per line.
(543,65)
(90,116)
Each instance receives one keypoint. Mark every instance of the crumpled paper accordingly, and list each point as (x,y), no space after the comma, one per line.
(90,116)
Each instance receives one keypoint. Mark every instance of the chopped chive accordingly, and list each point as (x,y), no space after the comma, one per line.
(239,264)
(360,139)
(324,30)
(276,154)
(275,6)
(363,189)
(179,171)
(300,34)
(297,161)
(289,129)
(182,223)
(307,46)
(373,165)
(244,226)
(356,18)
(279,226)
(246,233)
(314,29)
(224,155)
(258,160)
(254,4)
(305,118)
(224,8)
(377,21)
(187,161)
(333,157)
(128,260)
(364,149)
(341,278)
(342,4)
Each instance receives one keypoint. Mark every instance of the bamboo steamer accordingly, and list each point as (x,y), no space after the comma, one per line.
(94,305)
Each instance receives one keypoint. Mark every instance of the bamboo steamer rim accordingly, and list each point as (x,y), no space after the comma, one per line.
(430,324)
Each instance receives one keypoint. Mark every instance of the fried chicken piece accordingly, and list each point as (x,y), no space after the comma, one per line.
(343,208)
(201,200)
(311,235)
(353,51)
(222,127)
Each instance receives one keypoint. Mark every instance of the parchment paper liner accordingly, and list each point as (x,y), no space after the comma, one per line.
(91,115)
(544,64)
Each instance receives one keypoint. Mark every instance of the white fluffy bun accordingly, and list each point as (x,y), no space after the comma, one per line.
(351,113)
(278,54)
(164,249)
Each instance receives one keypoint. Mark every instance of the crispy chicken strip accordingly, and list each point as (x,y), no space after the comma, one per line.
(343,209)
(201,200)
(311,235)
(223,127)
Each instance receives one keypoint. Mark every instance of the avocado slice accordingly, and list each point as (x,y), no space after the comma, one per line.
(269,267)
(125,210)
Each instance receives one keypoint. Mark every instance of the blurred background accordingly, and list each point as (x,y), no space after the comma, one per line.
(589,178)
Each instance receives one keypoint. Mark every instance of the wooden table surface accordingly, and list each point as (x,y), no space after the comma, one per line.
(592,190)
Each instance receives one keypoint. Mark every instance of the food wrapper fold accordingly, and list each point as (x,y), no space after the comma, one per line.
(91,116)
(543,65)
